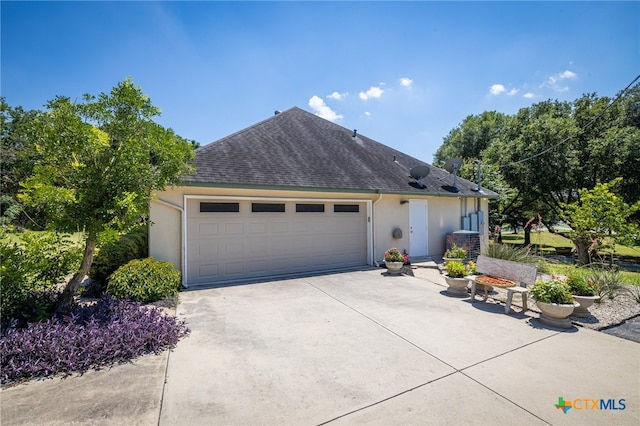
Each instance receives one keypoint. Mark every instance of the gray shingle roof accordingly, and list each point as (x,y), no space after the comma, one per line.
(298,149)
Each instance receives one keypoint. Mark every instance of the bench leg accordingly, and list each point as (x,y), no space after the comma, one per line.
(507,306)
(473,290)
(523,294)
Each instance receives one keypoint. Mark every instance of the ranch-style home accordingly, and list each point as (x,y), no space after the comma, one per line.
(296,193)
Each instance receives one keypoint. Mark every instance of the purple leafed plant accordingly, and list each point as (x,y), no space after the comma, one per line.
(109,332)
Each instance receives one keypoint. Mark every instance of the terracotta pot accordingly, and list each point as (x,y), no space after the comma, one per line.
(556,315)
(457,286)
(584,303)
(394,267)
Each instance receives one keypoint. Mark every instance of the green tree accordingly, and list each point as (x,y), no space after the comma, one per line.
(491,178)
(598,214)
(17,159)
(471,137)
(99,162)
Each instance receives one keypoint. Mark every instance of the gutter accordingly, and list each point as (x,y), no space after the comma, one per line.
(373,230)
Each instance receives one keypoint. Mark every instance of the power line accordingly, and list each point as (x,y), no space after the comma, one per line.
(586,126)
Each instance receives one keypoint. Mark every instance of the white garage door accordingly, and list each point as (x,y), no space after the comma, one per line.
(228,240)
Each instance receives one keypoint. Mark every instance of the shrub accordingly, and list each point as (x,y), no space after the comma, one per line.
(633,291)
(393,255)
(114,254)
(553,291)
(509,252)
(581,287)
(455,252)
(144,280)
(455,269)
(472,267)
(30,272)
(105,333)
(515,254)
(608,281)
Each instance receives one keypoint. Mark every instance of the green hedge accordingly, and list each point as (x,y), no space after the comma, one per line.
(111,256)
(33,264)
(144,280)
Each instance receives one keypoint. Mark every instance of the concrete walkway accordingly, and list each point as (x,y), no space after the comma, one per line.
(359,347)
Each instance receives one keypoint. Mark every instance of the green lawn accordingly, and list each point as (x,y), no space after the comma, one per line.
(628,277)
(547,242)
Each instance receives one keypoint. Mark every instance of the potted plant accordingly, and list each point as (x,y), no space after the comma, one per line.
(455,277)
(455,253)
(394,260)
(584,292)
(555,301)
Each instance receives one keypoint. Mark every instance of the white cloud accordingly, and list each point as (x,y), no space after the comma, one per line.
(568,74)
(373,92)
(367,113)
(496,89)
(323,110)
(555,81)
(406,82)
(337,96)
(512,92)
(528,95)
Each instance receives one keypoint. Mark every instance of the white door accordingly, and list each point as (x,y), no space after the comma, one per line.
(417,228)
(231,240)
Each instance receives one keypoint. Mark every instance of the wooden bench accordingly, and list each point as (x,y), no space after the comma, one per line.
(521,273)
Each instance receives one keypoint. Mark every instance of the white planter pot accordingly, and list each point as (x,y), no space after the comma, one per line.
(584,303)
(556,315)
(457,286)
(394,267)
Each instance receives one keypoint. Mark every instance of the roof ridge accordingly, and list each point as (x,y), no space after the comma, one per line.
(202,148)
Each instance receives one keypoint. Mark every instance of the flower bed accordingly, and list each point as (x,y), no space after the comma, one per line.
(108,332)
(494,281)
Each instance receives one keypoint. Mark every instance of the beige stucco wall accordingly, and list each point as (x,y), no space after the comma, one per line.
(443,216)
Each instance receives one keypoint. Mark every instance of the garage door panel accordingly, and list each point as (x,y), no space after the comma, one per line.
(233,228)
(209,271)
(208,249)
(258,228)
(208,229)
(235,245)
(279,227)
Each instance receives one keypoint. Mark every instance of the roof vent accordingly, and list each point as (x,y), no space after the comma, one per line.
(277,112)
(355,133)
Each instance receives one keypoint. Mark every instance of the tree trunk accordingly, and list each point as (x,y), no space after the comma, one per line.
(583,249)
(65,300)
(527,235)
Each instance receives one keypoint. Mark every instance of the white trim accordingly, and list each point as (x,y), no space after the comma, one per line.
(243,198)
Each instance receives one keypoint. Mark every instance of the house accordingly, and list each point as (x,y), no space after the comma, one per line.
(297,193)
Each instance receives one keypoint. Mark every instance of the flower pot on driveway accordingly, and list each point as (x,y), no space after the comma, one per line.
(555,314)
(457,286)
(584,303)
(394,267)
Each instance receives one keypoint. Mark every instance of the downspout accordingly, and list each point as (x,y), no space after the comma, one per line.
(182,236)
(373,228)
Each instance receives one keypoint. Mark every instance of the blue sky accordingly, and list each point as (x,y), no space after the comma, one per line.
(402,73)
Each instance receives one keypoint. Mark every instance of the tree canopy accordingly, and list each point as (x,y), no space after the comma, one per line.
(547,152)
(97,163)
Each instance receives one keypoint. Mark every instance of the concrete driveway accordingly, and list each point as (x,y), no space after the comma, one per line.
(358,347)
(367,348)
